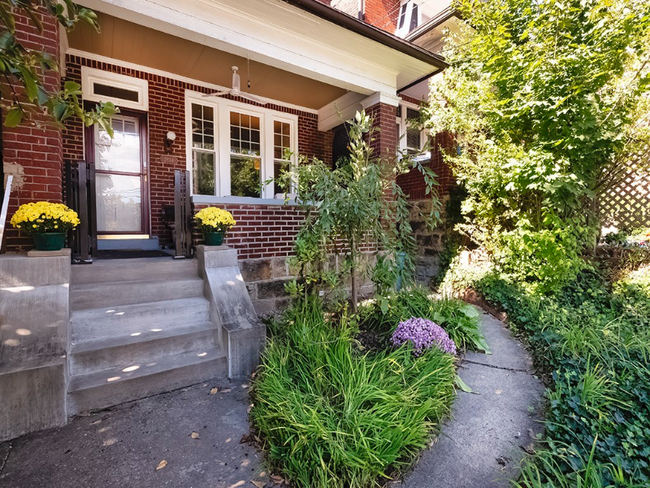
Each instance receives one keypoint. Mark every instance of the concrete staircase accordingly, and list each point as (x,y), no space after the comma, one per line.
(138,327)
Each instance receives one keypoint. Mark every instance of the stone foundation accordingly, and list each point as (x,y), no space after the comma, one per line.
(430,243)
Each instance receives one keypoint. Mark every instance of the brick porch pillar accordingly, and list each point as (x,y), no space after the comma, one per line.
(384,142)
(33,151)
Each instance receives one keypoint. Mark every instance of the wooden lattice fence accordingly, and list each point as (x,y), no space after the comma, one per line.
(626,205)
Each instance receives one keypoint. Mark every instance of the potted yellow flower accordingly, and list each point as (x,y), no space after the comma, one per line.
(46,222)
(214,222)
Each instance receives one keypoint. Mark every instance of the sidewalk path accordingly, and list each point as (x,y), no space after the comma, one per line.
(121,447)
(483,443)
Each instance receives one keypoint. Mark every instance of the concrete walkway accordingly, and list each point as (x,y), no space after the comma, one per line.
(480,447)
(491,428)
(121,447)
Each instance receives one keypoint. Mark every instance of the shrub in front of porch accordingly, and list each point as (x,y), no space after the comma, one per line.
(331,416)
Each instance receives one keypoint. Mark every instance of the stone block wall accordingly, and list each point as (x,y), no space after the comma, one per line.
(430,243)
(265,280)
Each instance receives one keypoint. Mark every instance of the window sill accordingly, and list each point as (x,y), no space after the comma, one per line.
(240,200)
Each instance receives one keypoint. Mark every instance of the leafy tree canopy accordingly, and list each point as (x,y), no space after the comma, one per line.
(23,92)
(547,99)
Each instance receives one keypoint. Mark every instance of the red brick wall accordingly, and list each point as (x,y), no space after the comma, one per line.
(262,230)
(413,183)
(167,113)
(385,140)
(382,14)
(32,151)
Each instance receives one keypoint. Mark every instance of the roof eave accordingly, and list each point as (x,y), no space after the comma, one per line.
(369,31)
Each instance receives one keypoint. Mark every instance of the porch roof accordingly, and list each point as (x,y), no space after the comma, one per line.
(280,36)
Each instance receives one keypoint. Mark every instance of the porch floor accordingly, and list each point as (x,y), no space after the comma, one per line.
(121,446)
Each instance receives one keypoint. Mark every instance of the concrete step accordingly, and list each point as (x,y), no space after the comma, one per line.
(128,351)
(111,270)
(106,388)
(112,294)
(137,320)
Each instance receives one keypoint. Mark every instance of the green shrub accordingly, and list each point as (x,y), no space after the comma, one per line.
(331,417)
(459,319)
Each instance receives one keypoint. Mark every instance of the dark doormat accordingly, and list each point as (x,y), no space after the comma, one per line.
(131,254)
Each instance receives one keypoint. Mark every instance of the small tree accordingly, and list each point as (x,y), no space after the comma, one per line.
(543,98)
(356,204)
(22,69)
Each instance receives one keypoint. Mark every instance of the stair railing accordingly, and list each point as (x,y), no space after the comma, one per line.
(182,215)
(80,196)
(4,209)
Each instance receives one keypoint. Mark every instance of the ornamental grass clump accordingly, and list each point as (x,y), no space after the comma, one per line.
(44,217)
(332,417)
(423,334)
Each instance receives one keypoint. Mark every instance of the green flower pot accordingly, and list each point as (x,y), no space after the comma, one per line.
(213,238)
(49,241)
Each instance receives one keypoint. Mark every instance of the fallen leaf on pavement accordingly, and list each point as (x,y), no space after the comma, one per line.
(529,449)
(259,484)
(226,390)
(531,434)
(498,392)
(278,480)
(161,465)
(194,435)
(213,391)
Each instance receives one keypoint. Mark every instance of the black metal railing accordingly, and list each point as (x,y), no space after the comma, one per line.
(80,196)
(182,215)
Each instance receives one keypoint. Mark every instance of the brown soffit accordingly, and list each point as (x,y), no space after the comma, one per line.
(369,31)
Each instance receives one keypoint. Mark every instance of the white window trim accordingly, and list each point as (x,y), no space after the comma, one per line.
(90,76)
(403,125)
(222,108)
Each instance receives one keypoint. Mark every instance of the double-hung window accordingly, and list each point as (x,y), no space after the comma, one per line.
(411,138)
(236,148)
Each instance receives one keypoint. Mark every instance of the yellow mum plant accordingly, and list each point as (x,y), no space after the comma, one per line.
(213,219)
(44,217)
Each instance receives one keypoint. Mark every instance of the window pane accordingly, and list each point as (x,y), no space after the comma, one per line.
(414,17)
(203,173)
(245,134)
(281,139)
(278,168)
(245,177)
(114,92)
(119,203)
(413,138)
(202,126)
(122,152)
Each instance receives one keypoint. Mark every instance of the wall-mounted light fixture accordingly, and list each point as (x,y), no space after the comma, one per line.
(169,142)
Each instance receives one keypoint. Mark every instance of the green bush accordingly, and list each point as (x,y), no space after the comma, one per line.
(459,319)
(330,417)
(594,348)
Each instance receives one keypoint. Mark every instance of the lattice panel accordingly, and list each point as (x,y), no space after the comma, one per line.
(627,205)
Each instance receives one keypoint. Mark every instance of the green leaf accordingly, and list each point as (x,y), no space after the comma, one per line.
(13,117)
(461,385)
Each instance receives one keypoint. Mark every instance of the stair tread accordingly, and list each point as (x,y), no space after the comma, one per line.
(166,363)
(121,338)
(134,309)
(102,284)
(96,323)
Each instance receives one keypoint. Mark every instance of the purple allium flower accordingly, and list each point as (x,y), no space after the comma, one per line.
(423,334)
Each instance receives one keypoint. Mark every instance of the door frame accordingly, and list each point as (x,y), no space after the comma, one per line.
(89,150)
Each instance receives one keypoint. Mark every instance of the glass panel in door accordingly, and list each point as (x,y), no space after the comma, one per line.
(119,177)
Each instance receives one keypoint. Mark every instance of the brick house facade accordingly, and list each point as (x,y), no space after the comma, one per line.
(265,231)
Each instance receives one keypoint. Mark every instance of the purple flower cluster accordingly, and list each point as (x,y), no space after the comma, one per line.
(423,334)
